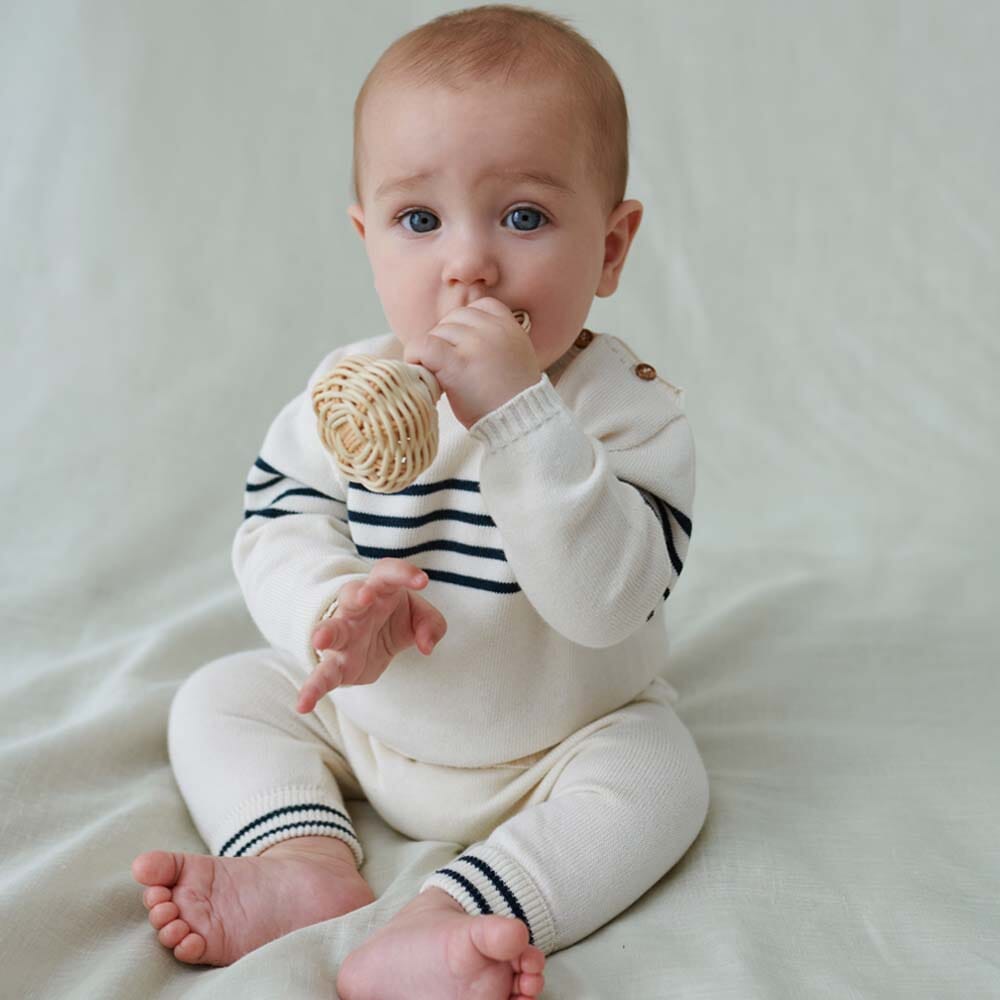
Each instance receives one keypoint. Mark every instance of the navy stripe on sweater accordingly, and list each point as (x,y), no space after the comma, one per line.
(396,521)
(422,489)
(443,544)
(663,510)
(329,505)
(315,502)
(410,522)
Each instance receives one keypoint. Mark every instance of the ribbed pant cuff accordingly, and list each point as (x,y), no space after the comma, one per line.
(488,881)
(269,819)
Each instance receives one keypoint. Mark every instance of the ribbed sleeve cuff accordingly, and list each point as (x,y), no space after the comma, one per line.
(488,881)
(520,415)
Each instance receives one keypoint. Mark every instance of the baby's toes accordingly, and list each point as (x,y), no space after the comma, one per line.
(157,868)
(174,932)
(527,984)
(156,894)
(532,959)
(191,948)
(161,914)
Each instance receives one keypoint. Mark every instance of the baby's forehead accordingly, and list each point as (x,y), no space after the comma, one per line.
(550,99)
(421,135)
(537,132)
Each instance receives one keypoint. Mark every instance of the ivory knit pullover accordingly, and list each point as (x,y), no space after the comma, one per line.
(551,533)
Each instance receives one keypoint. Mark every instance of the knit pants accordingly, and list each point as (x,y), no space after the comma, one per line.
(564,839)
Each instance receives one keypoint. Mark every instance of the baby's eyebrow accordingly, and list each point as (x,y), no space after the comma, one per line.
(540,177)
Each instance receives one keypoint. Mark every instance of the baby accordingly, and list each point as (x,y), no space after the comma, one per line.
(478,655)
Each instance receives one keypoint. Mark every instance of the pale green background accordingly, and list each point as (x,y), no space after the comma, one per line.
(818,266)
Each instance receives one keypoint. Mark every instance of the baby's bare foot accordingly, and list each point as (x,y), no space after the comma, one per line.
(434,950)
(212,911)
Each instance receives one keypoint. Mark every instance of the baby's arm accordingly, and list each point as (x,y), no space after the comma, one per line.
(596,531)
(294,552)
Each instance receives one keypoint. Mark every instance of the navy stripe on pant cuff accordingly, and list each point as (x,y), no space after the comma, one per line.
(498,883)
(267,821)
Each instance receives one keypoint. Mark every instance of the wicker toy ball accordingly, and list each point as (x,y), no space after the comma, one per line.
(378,418)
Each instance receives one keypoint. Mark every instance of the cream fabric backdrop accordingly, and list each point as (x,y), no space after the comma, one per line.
(819,267)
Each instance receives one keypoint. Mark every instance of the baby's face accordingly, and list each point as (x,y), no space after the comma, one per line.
(470,228)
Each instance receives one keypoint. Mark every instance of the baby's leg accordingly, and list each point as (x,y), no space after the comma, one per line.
(257,777)
(625,798)
(614,807)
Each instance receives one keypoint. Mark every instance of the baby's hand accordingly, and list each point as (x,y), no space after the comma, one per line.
(375,619)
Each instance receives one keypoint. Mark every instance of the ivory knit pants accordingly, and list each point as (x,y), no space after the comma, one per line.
(564,839)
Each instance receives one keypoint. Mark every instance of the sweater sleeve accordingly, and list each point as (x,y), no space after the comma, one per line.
(293,551)
(596,534)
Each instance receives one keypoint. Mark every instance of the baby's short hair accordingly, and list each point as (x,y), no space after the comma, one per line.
(505,41)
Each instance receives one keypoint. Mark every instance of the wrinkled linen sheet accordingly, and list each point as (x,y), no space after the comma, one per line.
(818,267)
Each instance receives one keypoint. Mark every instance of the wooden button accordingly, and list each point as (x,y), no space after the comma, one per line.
(584,339)
(645,372)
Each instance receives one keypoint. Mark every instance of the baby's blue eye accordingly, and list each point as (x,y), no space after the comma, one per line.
(523,213)
(422,216)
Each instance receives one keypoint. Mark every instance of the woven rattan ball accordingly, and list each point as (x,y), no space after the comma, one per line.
(378,418)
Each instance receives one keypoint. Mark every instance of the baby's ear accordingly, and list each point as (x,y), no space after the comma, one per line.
(357,217)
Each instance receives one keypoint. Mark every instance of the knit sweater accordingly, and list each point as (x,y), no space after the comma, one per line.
(551,532)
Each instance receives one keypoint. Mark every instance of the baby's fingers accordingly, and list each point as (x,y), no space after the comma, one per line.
(430,625)
(382,586)
(325,677)
(329,635)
